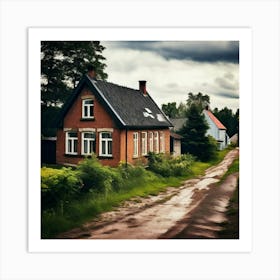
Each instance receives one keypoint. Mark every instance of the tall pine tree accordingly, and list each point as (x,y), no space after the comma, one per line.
(194,139)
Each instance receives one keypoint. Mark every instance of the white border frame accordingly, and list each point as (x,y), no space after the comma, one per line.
(243,35)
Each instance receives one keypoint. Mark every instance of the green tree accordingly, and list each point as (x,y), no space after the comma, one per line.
(200,100)
(172,111)
(194,139)
(228,119)
(182,109)
(63,63)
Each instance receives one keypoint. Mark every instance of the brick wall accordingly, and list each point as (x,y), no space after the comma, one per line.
(73,120)
(102,119)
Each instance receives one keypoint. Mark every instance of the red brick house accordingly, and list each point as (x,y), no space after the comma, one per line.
(117,123)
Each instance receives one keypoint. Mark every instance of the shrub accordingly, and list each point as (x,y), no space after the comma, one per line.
(128,171)
(98,178)
(166,165)
(58,185)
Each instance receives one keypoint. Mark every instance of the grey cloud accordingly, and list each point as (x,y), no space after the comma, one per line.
(228,95)
(172,85)
(200,51)
(226,84)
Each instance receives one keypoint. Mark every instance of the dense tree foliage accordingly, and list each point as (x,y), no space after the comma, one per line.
(229,119)
(174,111)
(194,139)
(63,63)
(200,100)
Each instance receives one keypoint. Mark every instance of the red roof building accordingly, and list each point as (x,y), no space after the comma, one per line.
(216,129)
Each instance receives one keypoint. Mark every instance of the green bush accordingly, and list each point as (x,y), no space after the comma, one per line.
(166,165)
(58,185)
(98,178)
(128,171)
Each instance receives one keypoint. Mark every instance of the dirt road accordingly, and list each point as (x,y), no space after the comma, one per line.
(193,210)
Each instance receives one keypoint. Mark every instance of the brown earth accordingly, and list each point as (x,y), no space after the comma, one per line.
(194,210)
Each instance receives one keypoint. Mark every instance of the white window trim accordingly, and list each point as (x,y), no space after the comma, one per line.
(88,129)
(156,141)
(107,140)
(66,143)
(83,108)
(151,141)
(135,144)
(144,147)
(105,129)
(88,141)
(162,142)
(88,97)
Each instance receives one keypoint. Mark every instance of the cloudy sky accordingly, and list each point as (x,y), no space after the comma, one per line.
(173,69)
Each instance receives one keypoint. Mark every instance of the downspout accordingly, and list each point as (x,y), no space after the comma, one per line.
(126,147)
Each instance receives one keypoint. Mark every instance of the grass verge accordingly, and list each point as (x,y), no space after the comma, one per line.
(231,227)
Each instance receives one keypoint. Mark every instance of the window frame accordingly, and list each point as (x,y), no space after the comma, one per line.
(73,139)
(144,143)
(135,144)
(156,142)
(162,142)
(88,140)
(151,141)
(106,140)
(88,106)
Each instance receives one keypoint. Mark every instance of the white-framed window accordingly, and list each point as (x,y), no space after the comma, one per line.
(162,142)
(71,143)
(151,142)
(105,144)
(144,143)
(88,143)
(135,144)
(88,109)
(156,140)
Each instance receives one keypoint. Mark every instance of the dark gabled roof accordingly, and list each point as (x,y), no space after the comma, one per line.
(129,107)
(175,135)
(178,123)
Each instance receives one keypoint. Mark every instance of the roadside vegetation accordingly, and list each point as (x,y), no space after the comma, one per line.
(231,226)
(72,196)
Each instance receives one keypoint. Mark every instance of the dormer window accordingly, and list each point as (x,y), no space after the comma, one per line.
(88,109)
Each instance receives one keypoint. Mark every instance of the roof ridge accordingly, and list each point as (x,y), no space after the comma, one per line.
(216,121)
(125,87)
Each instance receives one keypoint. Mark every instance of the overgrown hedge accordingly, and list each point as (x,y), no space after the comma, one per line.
(167,166)
(58,186)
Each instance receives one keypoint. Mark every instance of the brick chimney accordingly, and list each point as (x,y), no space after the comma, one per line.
(142,87)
